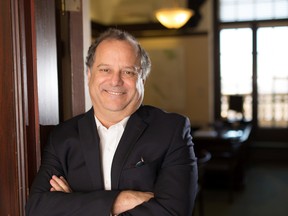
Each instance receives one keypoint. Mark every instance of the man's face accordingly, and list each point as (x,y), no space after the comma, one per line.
(114,81)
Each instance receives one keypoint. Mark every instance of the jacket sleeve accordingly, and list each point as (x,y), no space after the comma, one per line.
(176,186)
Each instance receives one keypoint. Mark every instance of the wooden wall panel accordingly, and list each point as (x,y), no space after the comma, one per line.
(12,140)
(33,150)
(70,62)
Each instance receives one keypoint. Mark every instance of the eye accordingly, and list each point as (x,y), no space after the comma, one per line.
(129,73)
(104,70)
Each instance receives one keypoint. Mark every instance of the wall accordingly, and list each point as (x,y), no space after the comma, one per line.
(196,73)
(183,86)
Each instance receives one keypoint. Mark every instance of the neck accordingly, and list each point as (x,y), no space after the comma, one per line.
(110,119)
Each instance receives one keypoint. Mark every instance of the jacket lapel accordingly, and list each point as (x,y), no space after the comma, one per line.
(134,128)
(91,149)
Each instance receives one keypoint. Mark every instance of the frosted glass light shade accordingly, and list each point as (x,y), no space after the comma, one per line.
(174,17)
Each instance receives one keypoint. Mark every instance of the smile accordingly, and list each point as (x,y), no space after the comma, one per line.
(114,93)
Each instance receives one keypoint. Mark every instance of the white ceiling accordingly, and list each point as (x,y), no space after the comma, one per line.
(128,11)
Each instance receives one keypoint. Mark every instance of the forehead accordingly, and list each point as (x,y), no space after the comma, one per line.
(114,44)
(120,52)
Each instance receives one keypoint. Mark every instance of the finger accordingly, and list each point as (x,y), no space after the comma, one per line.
(55,185)
(150,194)
(61,184)
(66,183)
(52,189)
(64,180)
(147,196)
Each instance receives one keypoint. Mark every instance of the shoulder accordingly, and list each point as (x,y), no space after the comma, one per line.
(70,127)
(151,113)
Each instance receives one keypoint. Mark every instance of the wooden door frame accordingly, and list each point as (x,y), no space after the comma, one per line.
(70,61)
(17,73)
(20,147)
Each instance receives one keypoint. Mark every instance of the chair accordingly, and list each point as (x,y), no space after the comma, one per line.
(235,104)
(203,156)
(224,159)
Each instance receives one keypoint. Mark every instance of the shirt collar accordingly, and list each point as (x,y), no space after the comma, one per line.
(122,123)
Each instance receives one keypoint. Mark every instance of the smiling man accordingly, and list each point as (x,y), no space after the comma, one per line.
(121,157)
(115,81)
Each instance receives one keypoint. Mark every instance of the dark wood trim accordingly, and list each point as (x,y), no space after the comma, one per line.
(216,63)
(13,163)
(77,63)
(70,63)
(20,96)
(9,204)
(254,79)
(31,103)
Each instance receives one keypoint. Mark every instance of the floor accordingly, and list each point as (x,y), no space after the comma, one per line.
(265,194)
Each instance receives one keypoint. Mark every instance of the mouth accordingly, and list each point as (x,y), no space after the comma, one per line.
(114,92)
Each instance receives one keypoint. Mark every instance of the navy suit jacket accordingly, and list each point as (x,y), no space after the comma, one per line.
(169,170)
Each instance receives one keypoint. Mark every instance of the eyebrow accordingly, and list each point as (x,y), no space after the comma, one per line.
(100,65)
(131,66)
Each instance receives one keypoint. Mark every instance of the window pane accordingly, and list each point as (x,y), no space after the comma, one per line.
(236,60)
(236,67)
(248,10)
(281,8)
(272,55)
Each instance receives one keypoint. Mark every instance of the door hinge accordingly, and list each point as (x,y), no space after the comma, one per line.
(70,5)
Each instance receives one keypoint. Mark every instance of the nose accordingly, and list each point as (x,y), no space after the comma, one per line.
(116,78)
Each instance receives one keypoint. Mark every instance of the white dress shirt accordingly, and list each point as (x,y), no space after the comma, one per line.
(109,139)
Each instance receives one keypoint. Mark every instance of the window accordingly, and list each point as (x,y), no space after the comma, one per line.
(250,10)
(236,69)
(253,53)
(272,72)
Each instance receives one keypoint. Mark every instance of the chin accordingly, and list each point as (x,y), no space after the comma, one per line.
(115,108)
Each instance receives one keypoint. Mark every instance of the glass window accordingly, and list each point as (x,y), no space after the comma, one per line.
(249,10)
(272,73)
(236,69)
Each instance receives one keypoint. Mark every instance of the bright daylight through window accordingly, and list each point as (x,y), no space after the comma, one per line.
(268,59)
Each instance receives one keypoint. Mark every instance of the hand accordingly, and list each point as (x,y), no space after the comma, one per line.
(129,199)
(59,184)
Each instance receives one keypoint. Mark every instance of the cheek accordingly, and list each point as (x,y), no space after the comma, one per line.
(134,88)
(93,86)
(140,87)
(90,79)
(94,82)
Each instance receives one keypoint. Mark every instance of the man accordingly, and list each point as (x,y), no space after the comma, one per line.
(121,157)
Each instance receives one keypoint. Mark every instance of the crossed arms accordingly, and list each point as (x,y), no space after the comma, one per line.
(125,200)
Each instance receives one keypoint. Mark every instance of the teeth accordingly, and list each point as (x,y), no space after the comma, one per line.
(114,93)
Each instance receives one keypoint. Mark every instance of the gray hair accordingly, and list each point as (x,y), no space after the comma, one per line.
(117,34)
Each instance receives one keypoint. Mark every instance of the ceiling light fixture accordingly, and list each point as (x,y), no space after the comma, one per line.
(173,18)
